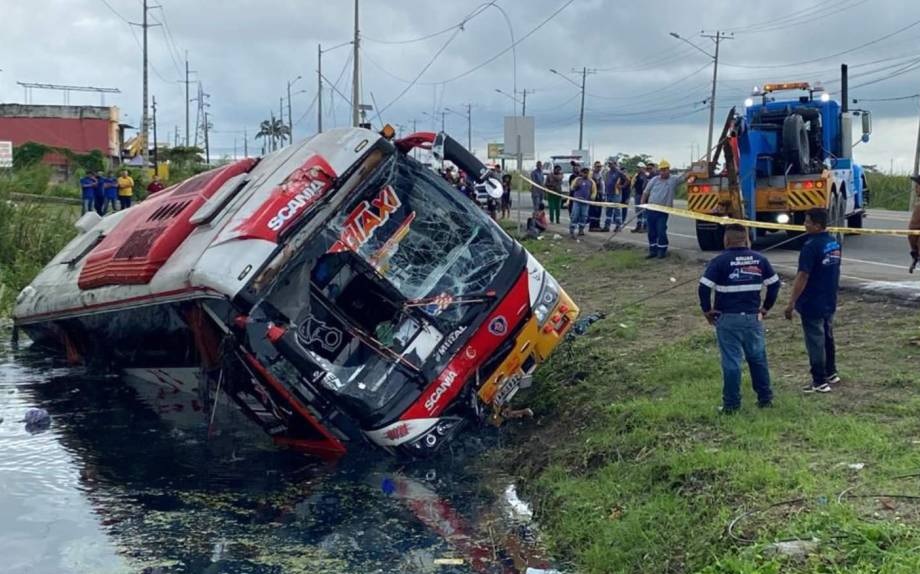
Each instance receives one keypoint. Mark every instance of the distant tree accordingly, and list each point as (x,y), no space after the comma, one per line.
(182,156)
(275,132)
(630,162)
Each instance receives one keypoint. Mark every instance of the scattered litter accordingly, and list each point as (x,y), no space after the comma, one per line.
(856,465)
(556,237)
(673,280)
(623,326)
(448,561)
(517,507)
(581,325)
(37,420)
(791,548)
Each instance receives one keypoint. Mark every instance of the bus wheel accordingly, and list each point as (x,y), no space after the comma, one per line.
(709,236)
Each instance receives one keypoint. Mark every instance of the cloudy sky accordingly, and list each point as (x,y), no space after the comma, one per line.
(419,57)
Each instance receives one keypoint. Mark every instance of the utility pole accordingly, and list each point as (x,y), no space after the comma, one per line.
(234,148)
(187,100)
(355,78)
(319,88)
(290,118)
(524,102)
(717,37)
(581,111)
(443,113)
(176,137)
(155,155)
(145,117)
(915,187)
(207,147)
(245,143)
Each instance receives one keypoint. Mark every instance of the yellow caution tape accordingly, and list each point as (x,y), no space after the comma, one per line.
(725,220)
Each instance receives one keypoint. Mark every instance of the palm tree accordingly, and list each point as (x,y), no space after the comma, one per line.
(275,130)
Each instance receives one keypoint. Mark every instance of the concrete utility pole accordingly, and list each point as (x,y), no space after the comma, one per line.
(145,115)
(290,118)
(469,127)
(581,109)
(155,155)
(524,102)
(207,146)
(355,78)
(245,143)
(717,37)
(319,88)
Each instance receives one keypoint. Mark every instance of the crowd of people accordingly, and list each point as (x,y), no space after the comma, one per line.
(103,191)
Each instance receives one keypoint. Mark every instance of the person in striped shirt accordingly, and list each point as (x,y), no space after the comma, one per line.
(738,275)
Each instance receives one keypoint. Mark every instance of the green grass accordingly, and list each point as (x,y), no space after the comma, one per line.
(633,470)
(30,234)
(889,191)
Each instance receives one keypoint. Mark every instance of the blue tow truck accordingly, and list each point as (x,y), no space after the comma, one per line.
(782,158)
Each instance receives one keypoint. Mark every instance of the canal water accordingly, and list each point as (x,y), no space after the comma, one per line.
(113,487)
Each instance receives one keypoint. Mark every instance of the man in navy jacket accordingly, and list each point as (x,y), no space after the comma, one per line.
(737,276)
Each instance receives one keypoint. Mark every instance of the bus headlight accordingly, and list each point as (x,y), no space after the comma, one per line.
(434,438)
(546,300)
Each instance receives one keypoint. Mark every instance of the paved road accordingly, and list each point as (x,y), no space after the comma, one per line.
(872,261)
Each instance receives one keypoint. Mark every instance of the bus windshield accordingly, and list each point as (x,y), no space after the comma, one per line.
(434,246)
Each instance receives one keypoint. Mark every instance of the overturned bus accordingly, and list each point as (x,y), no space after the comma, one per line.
(335,290)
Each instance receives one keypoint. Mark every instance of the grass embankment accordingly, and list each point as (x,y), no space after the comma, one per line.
(632,469)
(30,233)
(889,191)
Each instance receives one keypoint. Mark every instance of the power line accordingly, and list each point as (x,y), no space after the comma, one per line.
(116,12)
(422,71)
(844,52)
(642,95)
(512,46)
(894,99)
(479,10)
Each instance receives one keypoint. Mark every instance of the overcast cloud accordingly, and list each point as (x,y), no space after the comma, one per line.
(246,50)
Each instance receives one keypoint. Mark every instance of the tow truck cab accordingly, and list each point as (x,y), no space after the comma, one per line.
(789,155)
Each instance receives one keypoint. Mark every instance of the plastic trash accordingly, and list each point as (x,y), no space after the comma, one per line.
(581,325)
(37,420)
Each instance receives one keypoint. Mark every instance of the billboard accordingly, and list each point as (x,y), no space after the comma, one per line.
(519,129)
(6,154)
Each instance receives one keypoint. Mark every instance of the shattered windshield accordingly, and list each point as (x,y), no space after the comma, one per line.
(436,248)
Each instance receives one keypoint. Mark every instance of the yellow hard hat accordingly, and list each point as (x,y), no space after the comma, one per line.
(663,164)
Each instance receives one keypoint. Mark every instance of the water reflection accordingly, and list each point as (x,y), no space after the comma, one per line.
(112,486)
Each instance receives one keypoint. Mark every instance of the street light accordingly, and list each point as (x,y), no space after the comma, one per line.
(715,70)
(290,117)
(319,81)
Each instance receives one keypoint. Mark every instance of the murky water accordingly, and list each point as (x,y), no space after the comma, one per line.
(112,487)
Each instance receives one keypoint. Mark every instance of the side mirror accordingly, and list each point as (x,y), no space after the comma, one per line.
(864,138)
(866,125)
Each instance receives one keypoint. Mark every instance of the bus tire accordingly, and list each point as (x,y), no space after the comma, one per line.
(709,236)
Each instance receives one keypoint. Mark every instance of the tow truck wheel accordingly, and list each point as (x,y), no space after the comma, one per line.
(709,236)
(855,221)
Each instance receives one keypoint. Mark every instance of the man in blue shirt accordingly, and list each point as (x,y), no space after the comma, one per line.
(737,276)
(582,188)
(814,296)
(613,193)
(109,193)
(88,185)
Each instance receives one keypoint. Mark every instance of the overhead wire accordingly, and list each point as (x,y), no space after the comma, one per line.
(479,10)
(830,56)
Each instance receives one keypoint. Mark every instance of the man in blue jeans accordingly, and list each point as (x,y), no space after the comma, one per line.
(660,190)
(88,185)
(737,276)
(582,189)
(814,296)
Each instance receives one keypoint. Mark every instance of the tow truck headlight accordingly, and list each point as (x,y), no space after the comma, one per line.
(546,300)
(748,102)
(782,218)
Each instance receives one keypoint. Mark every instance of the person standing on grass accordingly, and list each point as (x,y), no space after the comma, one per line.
(88,185)
(737,276)
(109,193)
(583,189)
(554,183)
(539,178)
(612,187)
(506,196)
(660,191)
(914,240)
(596,211)
(125,189)
(638,185)
(814,296)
